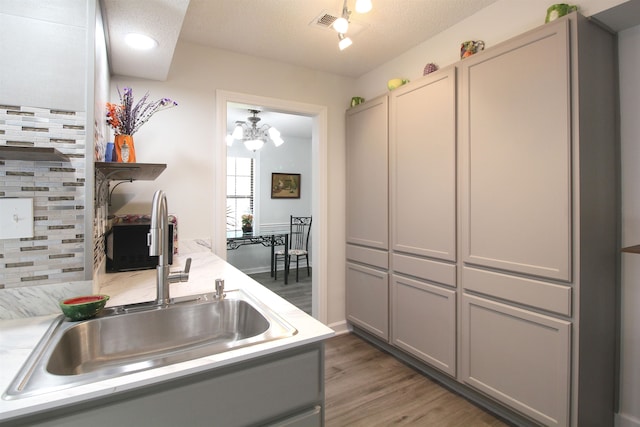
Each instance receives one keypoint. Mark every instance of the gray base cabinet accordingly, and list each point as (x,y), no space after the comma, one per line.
(424,321)
(503,226)
(519,357)
(285,389)
(368,299)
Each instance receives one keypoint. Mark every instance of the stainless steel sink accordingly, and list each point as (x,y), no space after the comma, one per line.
(133,338)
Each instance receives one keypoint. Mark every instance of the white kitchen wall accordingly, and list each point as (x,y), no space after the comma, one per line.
(184,138)
(40,46)
(44,57)
(629,413)
(494,24)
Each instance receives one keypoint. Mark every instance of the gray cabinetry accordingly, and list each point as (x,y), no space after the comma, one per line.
(423,321)
(368,298)
(367,281)
(422,193)
(422,156)
(367,174)
(516,155)
(282,389)
(538,223)
(503,226)
(518,357)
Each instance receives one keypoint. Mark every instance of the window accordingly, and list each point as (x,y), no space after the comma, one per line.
(240,190)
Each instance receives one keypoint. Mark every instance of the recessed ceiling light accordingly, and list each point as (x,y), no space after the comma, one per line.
(140,41)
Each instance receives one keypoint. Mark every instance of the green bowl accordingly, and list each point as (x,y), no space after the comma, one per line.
(84,307)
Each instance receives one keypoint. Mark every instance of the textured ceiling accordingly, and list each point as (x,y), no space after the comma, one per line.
(282,30)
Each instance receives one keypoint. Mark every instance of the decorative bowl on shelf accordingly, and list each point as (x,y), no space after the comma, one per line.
(84,307)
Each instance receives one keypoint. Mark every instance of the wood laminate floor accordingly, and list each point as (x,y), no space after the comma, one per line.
(297,293)
(365,386)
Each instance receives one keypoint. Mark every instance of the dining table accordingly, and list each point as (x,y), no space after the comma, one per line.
(271,239)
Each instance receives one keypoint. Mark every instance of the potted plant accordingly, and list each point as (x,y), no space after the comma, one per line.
(247,223)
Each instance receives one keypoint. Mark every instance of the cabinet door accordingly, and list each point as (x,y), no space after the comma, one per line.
(422,154)
(367,174)
(367,295)
(516,155)
(423,322)
(518,357)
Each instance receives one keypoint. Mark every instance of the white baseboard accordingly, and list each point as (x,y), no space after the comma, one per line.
(339,327)
(622,420)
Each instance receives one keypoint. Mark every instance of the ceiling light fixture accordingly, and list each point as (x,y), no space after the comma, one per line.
(140,41)
(253,136)
(341,25)
(363,6)
(344,42)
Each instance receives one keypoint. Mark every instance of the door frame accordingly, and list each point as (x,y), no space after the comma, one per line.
(319,183)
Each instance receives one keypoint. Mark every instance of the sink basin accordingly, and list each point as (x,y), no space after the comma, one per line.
(128,339)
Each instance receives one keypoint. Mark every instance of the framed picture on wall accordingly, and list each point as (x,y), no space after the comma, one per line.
(285,185)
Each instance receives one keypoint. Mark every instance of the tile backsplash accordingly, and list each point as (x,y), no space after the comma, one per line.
(55,253)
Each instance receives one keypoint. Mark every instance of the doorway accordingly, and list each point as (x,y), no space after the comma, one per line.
(318,179)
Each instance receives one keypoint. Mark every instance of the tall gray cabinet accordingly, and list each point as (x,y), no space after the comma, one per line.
(503,224)
(367,222)
(422,187)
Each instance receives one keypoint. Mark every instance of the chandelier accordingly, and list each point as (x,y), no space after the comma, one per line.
(253,136)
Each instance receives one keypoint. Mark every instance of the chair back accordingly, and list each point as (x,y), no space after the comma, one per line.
(300,229)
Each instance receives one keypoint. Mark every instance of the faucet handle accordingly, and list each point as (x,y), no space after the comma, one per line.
(181,276)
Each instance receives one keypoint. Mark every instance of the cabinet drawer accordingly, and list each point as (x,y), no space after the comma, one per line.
(535,293)
(375,257)
(367,295)
(424,322)
(433,271)
(517,357)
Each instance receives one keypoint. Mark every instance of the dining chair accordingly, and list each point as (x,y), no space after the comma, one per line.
(299,232)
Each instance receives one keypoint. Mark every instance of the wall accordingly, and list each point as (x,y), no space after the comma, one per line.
(629,412)
(41,46)
(495,23)
(184,138)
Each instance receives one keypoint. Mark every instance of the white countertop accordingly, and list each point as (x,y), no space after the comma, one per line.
(20,336)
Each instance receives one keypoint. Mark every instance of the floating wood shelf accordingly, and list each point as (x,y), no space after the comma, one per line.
(632,249)
(32,154)
(130,171)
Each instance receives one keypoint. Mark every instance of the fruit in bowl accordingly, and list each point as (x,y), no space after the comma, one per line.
(84,307)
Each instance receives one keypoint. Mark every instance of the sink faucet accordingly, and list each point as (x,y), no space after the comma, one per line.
(158,242)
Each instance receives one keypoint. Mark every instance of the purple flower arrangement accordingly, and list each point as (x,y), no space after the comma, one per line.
(126,118)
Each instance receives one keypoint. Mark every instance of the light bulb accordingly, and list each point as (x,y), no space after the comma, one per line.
(273,133)
(229,139)
(253,144)
(363,6)
(344,42)
(341,25)
(237,132)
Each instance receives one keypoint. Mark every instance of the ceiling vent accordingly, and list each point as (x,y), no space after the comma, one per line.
(323,20)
